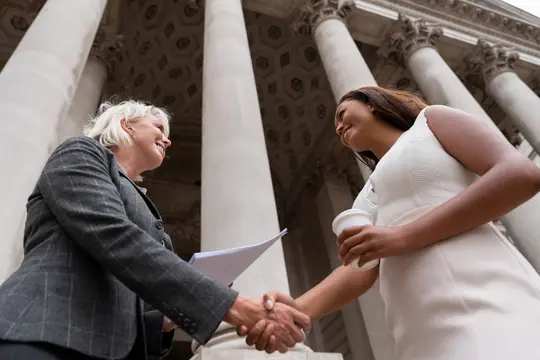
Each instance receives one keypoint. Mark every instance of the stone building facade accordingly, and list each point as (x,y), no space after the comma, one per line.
(252,87)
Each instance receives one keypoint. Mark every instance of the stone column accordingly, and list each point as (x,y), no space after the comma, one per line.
(346,70)
(518,101)
(372,339)
(37,85)
(413,48)
(333,198)
(343,63)
(526,149)
(345,67)
(90,87)
(238,206)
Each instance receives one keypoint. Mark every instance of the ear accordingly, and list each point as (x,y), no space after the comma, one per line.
(126,127)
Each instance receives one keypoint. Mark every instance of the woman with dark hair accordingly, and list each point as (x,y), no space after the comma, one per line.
(454,288)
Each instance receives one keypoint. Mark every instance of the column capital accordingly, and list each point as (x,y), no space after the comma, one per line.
(492,60)
(413,35)
(314,12)
(105,45)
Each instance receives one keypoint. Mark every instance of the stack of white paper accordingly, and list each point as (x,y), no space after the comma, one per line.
(225,266)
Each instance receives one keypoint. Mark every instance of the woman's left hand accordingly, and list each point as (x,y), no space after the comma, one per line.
(371,242)
(168,325)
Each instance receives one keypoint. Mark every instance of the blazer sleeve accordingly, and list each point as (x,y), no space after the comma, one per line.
(77,186)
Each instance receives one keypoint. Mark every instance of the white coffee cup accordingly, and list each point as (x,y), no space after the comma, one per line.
(350,218)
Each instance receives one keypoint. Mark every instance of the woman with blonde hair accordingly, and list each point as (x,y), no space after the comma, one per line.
(95,249)
(454,288)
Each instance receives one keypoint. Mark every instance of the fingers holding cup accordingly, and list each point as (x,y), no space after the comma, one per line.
(354,247)
(346,224)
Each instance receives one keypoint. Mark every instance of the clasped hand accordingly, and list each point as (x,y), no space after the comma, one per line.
(282,328)
(278,327)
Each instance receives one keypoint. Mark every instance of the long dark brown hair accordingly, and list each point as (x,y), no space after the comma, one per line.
(396,107)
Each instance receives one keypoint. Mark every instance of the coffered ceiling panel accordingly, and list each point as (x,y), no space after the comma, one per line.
(294,94)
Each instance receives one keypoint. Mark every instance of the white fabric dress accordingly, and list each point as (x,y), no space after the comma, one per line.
(472,297)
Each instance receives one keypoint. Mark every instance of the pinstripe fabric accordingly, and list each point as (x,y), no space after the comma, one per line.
(94,244)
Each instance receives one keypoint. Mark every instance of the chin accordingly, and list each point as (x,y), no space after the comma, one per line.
(355,143)
(347,145)
(156,163)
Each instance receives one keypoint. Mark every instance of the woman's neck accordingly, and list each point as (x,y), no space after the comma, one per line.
(383,140)
(127,162)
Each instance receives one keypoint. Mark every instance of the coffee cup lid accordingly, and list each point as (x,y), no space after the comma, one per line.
(354,211)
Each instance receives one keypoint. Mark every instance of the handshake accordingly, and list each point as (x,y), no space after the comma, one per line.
(271,323)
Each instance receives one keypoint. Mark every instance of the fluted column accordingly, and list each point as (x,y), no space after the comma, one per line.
(343,63)
(346,70)
(333,198)
(372,339)
(36,87)
(90,87)
(345,67)
(518,101)
(413,47)
(238,205)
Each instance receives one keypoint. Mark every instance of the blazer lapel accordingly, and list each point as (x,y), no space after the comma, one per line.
(141,192)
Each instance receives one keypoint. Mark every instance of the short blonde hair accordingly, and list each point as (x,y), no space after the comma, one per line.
(106,126)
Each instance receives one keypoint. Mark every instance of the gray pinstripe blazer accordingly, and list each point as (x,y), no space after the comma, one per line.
(94,246)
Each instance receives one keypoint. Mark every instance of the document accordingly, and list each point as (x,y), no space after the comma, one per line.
(224,266)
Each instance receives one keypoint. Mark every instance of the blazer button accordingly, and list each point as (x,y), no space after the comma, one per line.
(192,329)
(159,224)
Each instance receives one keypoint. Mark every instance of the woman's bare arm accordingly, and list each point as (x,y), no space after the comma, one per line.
(507,178)
(338,289)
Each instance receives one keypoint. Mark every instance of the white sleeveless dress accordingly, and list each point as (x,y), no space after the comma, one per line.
(471,297)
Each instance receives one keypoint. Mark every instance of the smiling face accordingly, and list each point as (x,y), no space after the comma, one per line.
(149,141)
(369,120)
(354,121)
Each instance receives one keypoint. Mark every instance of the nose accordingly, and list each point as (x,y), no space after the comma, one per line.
(166,142)
(339,129)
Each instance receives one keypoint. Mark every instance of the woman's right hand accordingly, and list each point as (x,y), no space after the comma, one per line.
(258,335)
